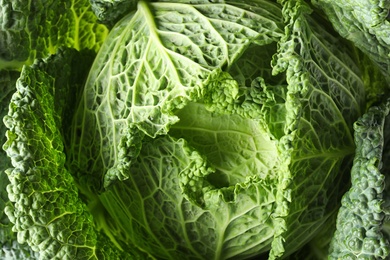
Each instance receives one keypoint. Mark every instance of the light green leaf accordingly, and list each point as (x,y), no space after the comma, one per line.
(220,137)
(228,222)
(325,95)
(154,61)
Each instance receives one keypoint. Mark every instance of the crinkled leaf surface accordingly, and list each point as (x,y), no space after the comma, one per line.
(34,29)
(110,11)
(154,61)
(360,219)
(45,208)
(300,127)
(364,22)
(58,220)
(10,248)
(7,86)
(232,222)
(326,94)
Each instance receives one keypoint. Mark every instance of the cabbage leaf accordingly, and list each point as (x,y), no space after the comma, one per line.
(155,60)
(364,22)
(46,210)
(195,129)
(363,212)
(35,29)
(10,248)
(206,129)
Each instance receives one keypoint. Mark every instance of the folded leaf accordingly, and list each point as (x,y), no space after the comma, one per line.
(154,61)
(325,95)
(10,248)
(205,138)
(364,22)
(361,217)
(45,208)
(227,222)
(34,30)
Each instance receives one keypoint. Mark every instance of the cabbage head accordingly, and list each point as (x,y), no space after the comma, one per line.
(218,130)
(192,129)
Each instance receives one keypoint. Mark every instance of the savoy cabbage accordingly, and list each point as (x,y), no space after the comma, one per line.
(194,129)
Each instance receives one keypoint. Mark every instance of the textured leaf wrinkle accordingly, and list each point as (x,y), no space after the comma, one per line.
(359,231)
(155,80)
(39,160)
(313,131)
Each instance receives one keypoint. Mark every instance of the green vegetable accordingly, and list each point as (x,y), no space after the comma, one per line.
(365,23)
(153,71)
(189,96)
(109,12)
(362,214)
(10,248)
(46,210)
(39,179)
(30,30)
(194,129)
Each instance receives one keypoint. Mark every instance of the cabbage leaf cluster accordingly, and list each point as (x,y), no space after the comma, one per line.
(194,129)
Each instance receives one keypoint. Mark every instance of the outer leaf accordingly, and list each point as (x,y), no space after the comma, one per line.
(359,223)
(10,248)
(365,23)
(45,209)
(318,247)
(111,11)
(325,95)
(34,29)
(58,224)
(7,86)
(68,68)
(154,62)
